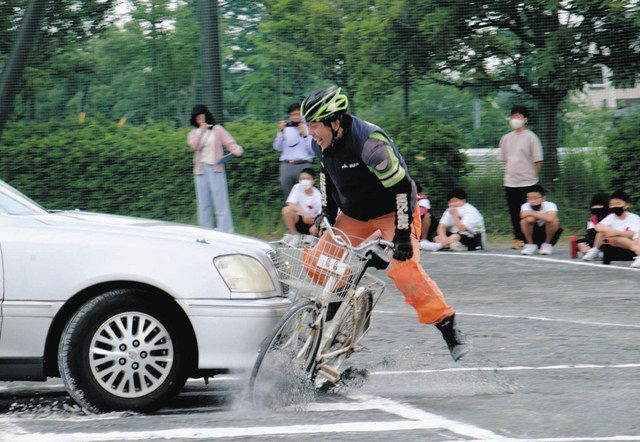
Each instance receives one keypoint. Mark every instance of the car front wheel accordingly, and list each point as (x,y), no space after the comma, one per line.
(122,351)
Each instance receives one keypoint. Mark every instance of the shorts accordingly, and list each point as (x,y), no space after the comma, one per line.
(472,242)
(540,235)
(589,238)
(302,227)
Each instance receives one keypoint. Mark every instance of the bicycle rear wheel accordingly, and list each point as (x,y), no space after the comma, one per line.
(286,361)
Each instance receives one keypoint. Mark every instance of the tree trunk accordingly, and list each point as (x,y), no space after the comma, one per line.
(211,58)
(547,123)
(12,72)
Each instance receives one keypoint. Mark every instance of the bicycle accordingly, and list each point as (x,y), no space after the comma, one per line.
(333,301)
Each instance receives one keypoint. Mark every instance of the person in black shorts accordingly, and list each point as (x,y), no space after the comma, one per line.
(599,208)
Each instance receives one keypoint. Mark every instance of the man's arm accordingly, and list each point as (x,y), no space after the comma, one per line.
(538,166)
(610,231)
(382,160)
(546,216)
(329,204)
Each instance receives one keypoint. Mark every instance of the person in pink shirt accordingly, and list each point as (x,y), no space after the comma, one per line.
(207,141)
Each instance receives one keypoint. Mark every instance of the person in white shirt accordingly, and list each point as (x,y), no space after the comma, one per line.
(620,228)
(461,227)
(539,222)
(304,203)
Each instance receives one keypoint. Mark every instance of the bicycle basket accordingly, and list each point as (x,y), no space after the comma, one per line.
(318,270)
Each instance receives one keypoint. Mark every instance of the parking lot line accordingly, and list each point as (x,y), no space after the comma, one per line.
(540,258)
(512,368)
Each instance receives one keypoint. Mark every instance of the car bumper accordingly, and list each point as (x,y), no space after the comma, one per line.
(229,332)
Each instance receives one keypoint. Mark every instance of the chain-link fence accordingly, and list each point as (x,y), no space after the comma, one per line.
(98,116)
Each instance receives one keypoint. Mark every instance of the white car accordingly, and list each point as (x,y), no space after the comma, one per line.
(125,309)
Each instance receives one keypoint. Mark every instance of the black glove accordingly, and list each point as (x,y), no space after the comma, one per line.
(318,220)
(402,247)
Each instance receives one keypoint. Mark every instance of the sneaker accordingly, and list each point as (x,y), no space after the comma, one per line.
(529,249)
(517,244)
(636,263)
(291,240)
(546,249)
(455,339)
(430,246)
(457,246)
(591,255)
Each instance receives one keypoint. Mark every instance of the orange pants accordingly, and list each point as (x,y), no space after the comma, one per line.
(419,290)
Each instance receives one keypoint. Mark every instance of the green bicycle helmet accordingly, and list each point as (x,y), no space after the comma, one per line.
(324,104)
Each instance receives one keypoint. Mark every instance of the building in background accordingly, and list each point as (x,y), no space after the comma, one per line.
(602,93)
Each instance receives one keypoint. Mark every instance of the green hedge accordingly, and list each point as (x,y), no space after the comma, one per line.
(623,148)
(146,171)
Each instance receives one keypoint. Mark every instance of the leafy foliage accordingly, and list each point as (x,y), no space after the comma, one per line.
(623,147)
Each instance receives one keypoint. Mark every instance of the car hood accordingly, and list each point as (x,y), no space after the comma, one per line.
(126,225)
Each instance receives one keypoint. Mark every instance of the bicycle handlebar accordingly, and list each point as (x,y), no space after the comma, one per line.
(341,242)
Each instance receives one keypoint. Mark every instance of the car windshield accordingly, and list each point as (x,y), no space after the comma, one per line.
(13,202)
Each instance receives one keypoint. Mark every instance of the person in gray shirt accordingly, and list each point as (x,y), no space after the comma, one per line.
(521,152)
(294,142)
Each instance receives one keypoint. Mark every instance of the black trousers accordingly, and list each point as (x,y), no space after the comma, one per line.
(516,197)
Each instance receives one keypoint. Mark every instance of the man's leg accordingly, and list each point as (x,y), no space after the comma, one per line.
(426,224)
(592,253)
(550,229)
(526,226)
(516,197)
(290,217)
(420,291)
(445,241)
(625,243)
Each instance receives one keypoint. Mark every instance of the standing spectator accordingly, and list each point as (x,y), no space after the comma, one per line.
(521,152)
(539,222)
(303,205)
(294,142)
(425,212)
(461,227)
(599,208)
(207,141)
(620,228)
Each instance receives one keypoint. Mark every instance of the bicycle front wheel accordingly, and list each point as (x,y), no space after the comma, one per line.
(286,361)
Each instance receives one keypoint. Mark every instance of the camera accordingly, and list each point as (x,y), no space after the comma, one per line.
(292,124)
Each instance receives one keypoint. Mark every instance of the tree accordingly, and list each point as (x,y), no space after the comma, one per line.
(540,49)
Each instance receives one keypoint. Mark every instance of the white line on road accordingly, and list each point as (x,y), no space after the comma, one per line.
(539,258)
(533,318)
(512,368)
(413,419)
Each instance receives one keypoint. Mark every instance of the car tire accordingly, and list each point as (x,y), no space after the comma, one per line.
(123,350)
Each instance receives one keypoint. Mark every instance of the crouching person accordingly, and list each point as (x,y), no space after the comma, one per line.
(461,227)
(620,228)
(539,222)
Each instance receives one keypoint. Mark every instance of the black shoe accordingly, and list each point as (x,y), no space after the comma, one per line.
(455,339)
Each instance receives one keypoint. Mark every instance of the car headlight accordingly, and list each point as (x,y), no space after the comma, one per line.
(243,273)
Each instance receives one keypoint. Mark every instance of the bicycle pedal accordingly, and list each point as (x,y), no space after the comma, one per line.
(330,373)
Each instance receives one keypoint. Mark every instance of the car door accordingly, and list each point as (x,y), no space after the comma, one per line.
(1,285)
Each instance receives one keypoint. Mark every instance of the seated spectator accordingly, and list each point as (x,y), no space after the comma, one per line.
(539,222)
(304,203)
(425,212)
(620,228)
(599,210)
(461,227)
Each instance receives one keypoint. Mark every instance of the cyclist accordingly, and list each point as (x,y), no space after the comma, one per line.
(364,176)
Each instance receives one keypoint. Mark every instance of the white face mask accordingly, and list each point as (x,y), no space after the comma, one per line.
(516,123)
(306,184)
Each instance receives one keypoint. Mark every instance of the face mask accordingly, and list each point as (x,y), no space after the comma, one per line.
(306,184)
(599,212)
(536,207)
(617,210)
(516,123)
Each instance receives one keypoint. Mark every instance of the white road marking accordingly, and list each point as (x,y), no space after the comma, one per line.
(534,318)
(540,258)
(512,368)
(567,439)
(413,419)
